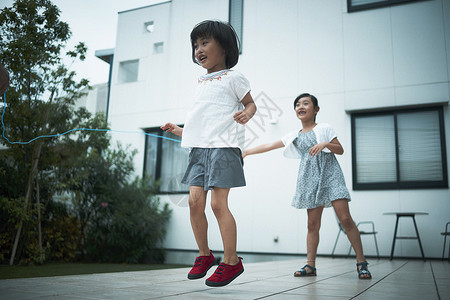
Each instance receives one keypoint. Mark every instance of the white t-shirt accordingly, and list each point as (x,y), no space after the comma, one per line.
(323,131)
(210,122)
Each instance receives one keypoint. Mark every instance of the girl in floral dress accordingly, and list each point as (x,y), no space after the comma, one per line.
(320,181)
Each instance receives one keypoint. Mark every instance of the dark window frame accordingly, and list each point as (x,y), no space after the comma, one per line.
(158,132)
(400,184)
(355,8)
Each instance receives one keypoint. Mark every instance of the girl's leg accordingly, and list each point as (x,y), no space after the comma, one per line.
(343,214)
(227,224)
(312,238)
(197,203)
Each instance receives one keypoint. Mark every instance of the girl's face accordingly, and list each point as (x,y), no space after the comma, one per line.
(210,54)
(305,109)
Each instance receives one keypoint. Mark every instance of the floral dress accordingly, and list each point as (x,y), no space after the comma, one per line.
(320,179)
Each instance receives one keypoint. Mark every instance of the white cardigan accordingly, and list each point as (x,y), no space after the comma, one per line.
(324,133)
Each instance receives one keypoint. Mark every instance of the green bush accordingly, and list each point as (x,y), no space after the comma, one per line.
(60,233)
(121,219)
(10,213)
(129,227)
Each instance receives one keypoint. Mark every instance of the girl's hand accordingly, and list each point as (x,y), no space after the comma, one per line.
(170,127)
(241,117)
(316,149)
(244,154)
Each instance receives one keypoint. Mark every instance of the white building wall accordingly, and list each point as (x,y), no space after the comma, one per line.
(381,58)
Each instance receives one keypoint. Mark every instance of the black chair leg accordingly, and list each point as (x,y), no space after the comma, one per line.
(376,246)
(335,243)
(448,257)
(443,249)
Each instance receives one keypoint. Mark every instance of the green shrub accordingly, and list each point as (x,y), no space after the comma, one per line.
(128,227)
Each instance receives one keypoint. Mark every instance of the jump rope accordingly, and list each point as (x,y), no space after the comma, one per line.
(75,129)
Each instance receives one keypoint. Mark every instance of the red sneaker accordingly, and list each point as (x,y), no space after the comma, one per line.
(201,266)
(225,274)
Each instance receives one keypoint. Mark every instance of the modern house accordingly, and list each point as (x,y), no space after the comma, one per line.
(381,72)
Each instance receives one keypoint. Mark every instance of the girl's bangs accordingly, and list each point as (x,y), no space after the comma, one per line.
(203,30)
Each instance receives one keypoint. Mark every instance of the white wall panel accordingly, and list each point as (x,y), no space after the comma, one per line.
(419,43)
(368,58)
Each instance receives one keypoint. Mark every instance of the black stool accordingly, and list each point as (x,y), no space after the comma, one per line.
(416,237)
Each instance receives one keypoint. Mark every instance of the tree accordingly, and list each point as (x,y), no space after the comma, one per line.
(106,207)
(40,99)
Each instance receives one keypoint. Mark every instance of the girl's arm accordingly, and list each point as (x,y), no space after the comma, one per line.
(334,146)
(263,148)
(170,127)
(243,116)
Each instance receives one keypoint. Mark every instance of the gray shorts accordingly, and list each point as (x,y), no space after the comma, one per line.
(215,167)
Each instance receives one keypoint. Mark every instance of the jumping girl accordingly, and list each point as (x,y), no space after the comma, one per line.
(214,131)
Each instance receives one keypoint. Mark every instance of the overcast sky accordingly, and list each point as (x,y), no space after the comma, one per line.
(95,23)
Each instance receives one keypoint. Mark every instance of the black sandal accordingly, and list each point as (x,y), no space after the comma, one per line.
(304,273)
(363,271)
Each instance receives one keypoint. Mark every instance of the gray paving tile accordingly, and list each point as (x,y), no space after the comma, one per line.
(337,279)
(309,297)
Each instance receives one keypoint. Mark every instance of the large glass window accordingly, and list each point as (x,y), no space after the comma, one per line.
(165,161)
(399,149)
(357,5)
(236,13)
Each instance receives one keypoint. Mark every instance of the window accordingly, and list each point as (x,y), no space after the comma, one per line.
(165,161)
(236,12)
(158,47)
(357,5)
(401,149)
(128,71)
(149,26)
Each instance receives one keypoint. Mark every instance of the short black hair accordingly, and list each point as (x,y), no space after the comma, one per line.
(223,33)
(312,97)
